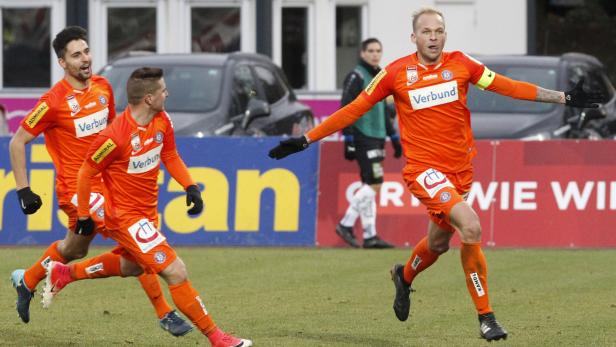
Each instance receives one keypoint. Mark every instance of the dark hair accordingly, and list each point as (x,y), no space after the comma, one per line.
(67,35)
(141,82)
(366,42)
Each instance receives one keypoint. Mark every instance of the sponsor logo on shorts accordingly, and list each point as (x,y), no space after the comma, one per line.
(438,94)
(416,262)
(377,170)
(411,75)
(160,257)
(146,236)
(36,115)
(375,153)
(158,137)
(95,268)
(477,284)
(432,181)
(145,162)
(447,75)
(375,81)
(46,262)
(202,305)
(91,124)
(103,151)
(445,196)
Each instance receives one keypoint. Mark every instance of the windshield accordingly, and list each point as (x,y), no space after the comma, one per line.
(191,88)
(484,101)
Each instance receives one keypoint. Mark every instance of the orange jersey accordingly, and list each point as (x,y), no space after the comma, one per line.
(70,120)
(129,155)
(434,121)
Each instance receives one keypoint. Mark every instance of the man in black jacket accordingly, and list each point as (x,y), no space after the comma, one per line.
(364,142)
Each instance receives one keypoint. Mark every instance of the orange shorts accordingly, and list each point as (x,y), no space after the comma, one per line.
(439,192)
(143,244)
(97,212)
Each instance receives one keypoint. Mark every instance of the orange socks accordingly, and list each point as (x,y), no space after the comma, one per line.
(35,273)
(476,271)
(421,258)
(188,301)
(151,286)
(101,266)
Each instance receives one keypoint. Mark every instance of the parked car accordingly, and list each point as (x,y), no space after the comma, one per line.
(497,117)
(220,94)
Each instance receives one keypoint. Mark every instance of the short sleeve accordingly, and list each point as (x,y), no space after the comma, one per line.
(41,117)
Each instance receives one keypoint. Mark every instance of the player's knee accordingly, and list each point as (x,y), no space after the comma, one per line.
(471,231)
(439,247)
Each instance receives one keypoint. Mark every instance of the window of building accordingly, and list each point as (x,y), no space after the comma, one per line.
(130,29)
(348,40)
(215,29)
(25,47)
(294,45)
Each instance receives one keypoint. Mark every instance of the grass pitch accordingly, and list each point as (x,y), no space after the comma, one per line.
(333,297)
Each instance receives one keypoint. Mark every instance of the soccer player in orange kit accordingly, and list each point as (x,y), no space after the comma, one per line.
(70,115)
(429,89)
(128,155)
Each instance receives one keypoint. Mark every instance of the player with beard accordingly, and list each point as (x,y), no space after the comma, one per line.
(70,116)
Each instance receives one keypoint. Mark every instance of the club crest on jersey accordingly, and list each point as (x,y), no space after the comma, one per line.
(103,100)
(447,75)
(158,137)
(135,142)
(411,75)
(73,104)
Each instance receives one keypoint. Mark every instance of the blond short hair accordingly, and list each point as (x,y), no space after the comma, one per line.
(426,10)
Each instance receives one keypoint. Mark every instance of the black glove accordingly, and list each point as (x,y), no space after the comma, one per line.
(349,148)
(29,201)
(288,147)
(193,195)
(84,227)
(577,97)
(395,142)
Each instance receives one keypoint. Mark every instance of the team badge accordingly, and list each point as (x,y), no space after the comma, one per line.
(73,104)
(103,100)
(445,196)
(411,75)
(135,142)
(447,75)
(158,137)
(160,257)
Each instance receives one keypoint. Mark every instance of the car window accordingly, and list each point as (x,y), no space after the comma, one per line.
(244,87)
(191,88)
(484,101)
(272,86)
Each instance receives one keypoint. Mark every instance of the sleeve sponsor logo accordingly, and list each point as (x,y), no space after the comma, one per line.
(35,116)
(432,181)
(487,77)
(92,124)
(146,235)
(103,151)
(375,81)
(145,162)
(439,94)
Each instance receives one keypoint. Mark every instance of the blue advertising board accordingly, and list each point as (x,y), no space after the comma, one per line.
(250,199)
